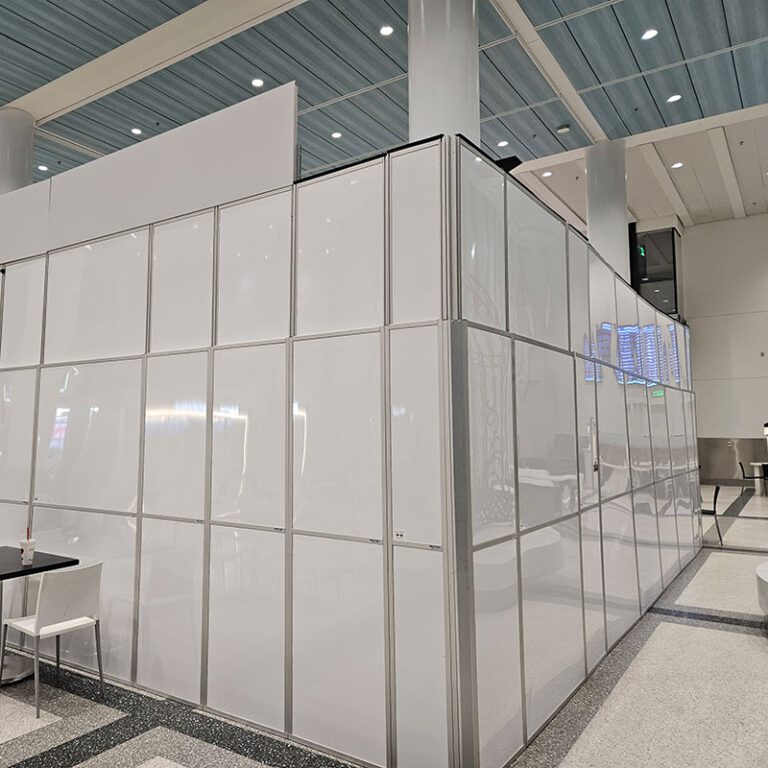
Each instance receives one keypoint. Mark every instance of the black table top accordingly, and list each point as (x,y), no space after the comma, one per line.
(11,567)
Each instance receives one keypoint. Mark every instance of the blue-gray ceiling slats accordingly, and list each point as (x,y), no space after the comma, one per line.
(752,70)
(55,157)
(747,20)
(716,84)
(490,25)
(543,11)
(637,17)
(700,25)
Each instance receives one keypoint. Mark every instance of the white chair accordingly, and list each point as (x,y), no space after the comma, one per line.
(67,600)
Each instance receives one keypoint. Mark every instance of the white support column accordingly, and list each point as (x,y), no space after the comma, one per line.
(607,203)
(443,69)
(16,148)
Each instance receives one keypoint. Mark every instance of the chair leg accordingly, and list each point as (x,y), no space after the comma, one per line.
(37,677)
(2,649)
(97,630)
(720,535)
(58,655)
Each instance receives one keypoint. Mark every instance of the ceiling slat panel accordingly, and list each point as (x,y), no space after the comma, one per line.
(715,82)
(492,132)
(747,20)
(700,25)
(635,104)
(605,113)
(635,18)
(674,82)
(752,71)
(490,25)
(569,56)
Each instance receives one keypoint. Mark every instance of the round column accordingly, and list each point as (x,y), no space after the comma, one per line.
(16,148)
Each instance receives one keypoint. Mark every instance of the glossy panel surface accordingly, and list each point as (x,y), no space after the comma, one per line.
(677,438)
(594,605)
(649,360)
(422,704)
(648,555)
(416,457)
(682,354)
(13,526)
(174,443)
(255,270)
(665,505)
(546,435)
(657,403)
(483,272)
(17,410)
(249,423)
(578,293)
(587,449)
(497,641)
(620,567)
(88,436)
(612,426)
(93,537)
(338,646)
(22,313)
(182,280)
(340,242)
(684,513)
(602,310)
(337,435)
(638,419)
(97,300)
(416,230)
(629,339)
(246,644)
(666,373)
(690,431)
(538,287)
(170,608)
(552,618)
(491,435)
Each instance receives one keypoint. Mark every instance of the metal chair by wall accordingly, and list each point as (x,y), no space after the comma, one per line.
(745,477)
(713,512)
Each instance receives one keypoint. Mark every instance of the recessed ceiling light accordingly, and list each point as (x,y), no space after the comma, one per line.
(257,82)
(386,30)
(546,174)
(504,143)
(136,131)
(649,34)
(673,98)
(677,165)
(336,135)
(657,290)
(565,128)
(42,167)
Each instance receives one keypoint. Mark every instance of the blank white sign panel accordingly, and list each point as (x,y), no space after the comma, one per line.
(22,313)
(17,408)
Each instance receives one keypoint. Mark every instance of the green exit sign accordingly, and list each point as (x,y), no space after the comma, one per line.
(657,393)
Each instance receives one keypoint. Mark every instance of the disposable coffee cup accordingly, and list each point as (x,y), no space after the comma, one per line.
(27,551)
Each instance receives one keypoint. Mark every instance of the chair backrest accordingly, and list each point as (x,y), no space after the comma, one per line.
(68,594)
(743,471)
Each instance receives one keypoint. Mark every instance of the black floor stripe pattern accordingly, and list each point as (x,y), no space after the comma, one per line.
(739,503)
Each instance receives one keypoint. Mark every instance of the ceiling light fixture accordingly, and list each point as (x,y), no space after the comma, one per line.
(677,165)
(136,131)
(546,174)
(386,30)
(565,128)
(42,167)
(673,98)
(649,34)
(503,143)
(257,82)
(336,135)
(657,290)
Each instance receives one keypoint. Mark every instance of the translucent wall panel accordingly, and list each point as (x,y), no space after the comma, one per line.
(665,352)
(690,431)
(696,508)
(552,618)
(22,313)
(546,434)
(677,438)
(246,642)
(602,309)
(612,425)
(255,270)
(17,407)
(657,402)
(491,435)
(688,362)
(182,284)
(97,300)
(537,269)
(416,216)
(420,658)
(665,504)
(620,567)
(340,232)
(594,604)
(94,537)
(578,293)
(416,457)
(648,555)
(170,607)
(249,423)
(483,271)
(586,413)
(649,361)
(684,515)
(682,354)
(629,340)
(497,644)
(174,443)
(338,646)
(638,420)
(88,436)
(669,342)
(13,526)
(337,460)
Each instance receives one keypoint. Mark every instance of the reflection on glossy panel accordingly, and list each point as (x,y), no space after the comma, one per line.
(497,643)
(17,406)
(578,288)
(684,515)
(94,537)
(664,350)
(629,339)
(13,526)
(338,646)
(648,556)
(22,313)
(620,566)
(483,271)
(491,439)
(552,618)
(538,300)
(337,435)
(638,419)
(649,359)
(254,270)
(594,603)
(182,279)
(248,481)
(246,641)
(682,355)
(690,431)
(416,225)
(170,607)
(602,309)
(420,656)
(416,476)
(97,300)
(677,438)
(657,403)
(340,234)
(693,479)
(612,425)
(546,434)
(586,414)
(174,444)
(665,504)
(88,436)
